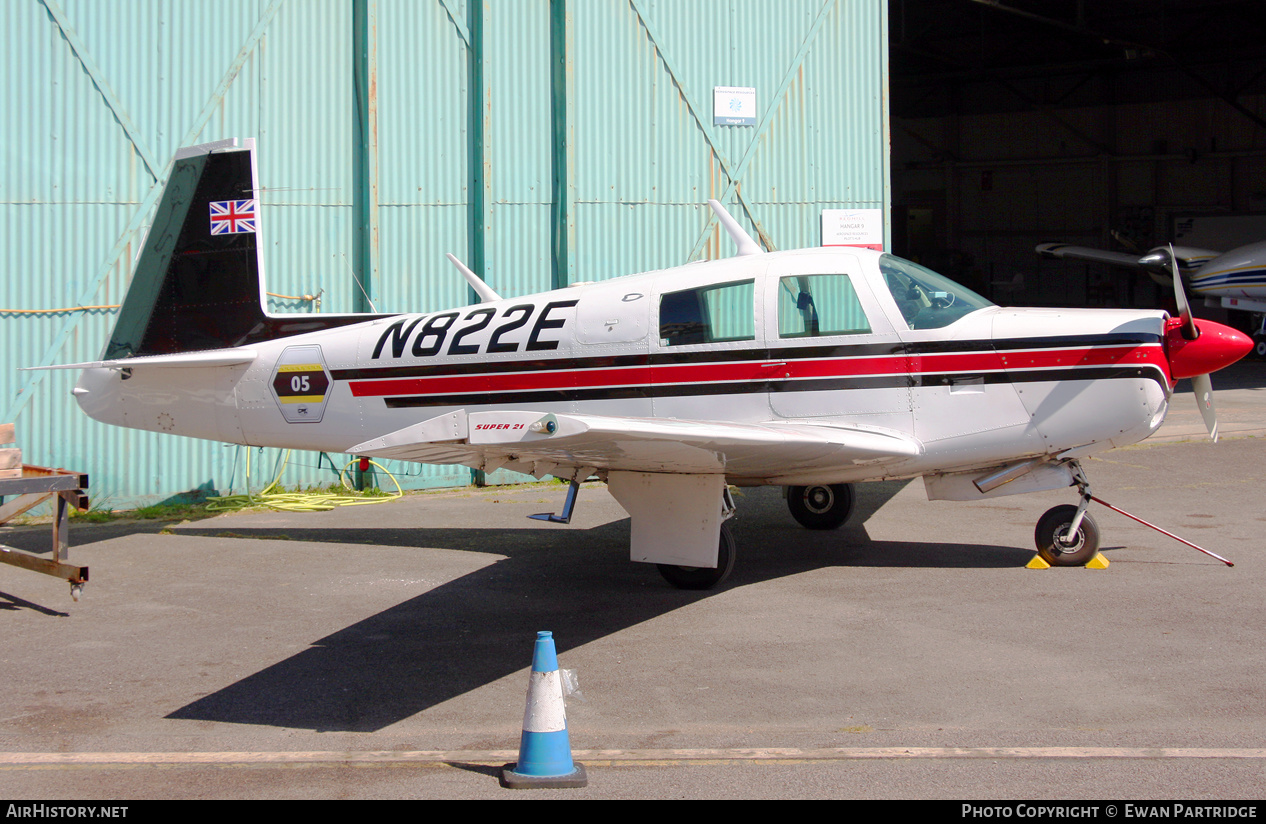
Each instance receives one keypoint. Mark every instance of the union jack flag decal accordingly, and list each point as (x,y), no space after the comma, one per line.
(232,217)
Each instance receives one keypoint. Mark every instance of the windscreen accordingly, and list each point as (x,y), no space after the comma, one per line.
(926,299)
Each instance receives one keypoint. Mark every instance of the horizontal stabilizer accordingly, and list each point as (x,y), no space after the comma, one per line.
(603,442)
(214,357)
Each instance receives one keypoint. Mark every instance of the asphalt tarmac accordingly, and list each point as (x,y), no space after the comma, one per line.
(383,651)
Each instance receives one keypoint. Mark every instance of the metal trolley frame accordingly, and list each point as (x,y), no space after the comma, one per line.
(36,485)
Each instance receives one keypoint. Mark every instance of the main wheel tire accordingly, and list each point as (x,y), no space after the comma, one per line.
(1054,543)
(1259,346)
(686,577)
(821,507)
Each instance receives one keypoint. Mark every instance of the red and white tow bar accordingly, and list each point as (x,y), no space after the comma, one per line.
(1083,486)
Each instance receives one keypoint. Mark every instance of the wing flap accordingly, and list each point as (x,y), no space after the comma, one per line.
(739,450)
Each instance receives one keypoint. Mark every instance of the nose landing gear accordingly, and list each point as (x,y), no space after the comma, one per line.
(1059,544)
(1066,535)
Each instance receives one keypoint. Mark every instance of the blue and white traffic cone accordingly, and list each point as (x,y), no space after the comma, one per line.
(544,750)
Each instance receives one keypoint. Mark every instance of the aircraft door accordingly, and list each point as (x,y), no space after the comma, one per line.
(832,351)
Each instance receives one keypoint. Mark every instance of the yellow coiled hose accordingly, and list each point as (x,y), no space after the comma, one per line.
(300,501)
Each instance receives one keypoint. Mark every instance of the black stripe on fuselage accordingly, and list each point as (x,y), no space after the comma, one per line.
(424,370)
(651,391)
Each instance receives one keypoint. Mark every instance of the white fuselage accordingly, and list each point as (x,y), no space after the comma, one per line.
(994,386)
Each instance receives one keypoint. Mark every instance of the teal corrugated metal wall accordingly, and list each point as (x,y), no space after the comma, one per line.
(591,154)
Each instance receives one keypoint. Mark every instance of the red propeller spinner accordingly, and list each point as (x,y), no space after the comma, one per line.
(1196,349)
(1214,347)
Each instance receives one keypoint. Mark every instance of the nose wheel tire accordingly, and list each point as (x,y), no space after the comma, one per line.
(1057,547)
(821,507)
(685,577)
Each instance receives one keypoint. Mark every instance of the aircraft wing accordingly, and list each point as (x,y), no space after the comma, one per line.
(1156,262)
(564,444)
(1063,250)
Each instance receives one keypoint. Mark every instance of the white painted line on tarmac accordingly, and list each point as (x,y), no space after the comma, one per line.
(46,760)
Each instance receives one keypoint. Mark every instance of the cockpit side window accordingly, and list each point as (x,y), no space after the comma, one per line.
(709,314)
(927,300)
(818,305)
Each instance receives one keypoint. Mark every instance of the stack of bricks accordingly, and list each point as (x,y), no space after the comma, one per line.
(10,458)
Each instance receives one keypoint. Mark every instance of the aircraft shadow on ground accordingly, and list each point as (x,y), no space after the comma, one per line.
(476,629)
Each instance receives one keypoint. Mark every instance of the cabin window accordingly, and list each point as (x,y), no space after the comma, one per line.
(709,314)
(817,305)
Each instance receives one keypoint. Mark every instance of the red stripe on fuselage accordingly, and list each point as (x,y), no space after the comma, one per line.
(761,370)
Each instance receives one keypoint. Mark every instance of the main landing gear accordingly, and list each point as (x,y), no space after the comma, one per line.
(821,506)
(686,577)
(815,507)
(1066,535)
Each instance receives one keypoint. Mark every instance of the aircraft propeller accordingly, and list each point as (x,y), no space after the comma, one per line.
(1194,352)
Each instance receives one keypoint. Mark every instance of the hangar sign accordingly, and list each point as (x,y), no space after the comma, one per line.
(733,106)
(853,227)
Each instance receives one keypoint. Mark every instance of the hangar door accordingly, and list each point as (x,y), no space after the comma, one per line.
(645,150)
(543,141)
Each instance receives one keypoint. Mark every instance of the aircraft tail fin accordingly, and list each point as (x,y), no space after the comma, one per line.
(198,284)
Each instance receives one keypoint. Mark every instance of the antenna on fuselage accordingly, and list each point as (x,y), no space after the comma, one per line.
(486,295)
(744,242)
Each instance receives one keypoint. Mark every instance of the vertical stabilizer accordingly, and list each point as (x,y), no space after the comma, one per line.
(197,284)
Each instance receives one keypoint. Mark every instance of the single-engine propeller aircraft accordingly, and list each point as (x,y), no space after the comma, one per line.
(811,370)
(1232,280)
